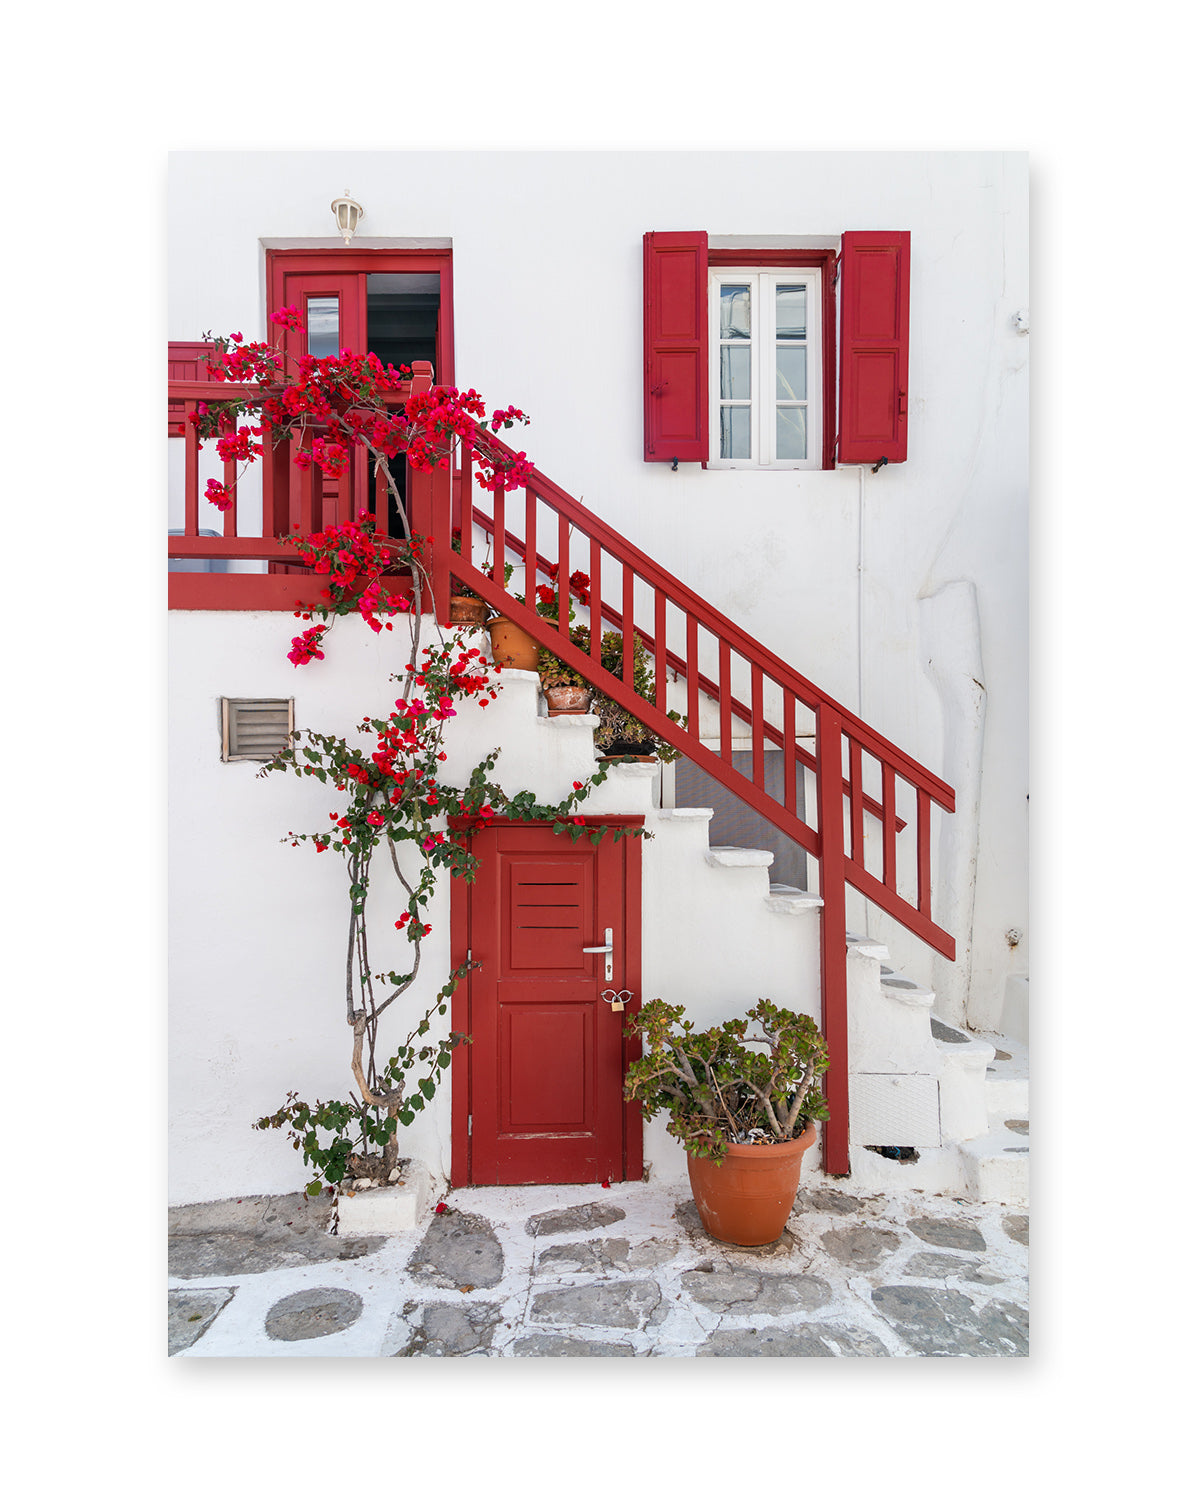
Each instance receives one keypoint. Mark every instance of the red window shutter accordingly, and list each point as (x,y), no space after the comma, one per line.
(675,285)
(873,412)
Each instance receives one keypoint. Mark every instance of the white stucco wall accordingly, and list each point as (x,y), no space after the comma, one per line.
(258,929)
(548,315)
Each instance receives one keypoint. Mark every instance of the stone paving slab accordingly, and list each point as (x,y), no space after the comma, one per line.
(583,1272)
(242,1236)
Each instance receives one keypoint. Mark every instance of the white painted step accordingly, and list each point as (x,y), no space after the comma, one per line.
(731,858)
(996,1165)
(868,947)
(900,987)
(790,900)
(1008,1077)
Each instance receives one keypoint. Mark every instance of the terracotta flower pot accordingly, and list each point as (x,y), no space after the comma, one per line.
(745,1198)
(511,646)
(467,610)
(568,700)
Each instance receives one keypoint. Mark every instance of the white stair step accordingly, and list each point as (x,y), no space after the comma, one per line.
(868,947)
(901,987)
(1008,1078)
(790,899)
(685,814)
(996,1165)
(740,859)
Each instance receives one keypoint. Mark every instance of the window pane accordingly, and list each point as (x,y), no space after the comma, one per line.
(735,372)
(735,312)
(735,432)
(791,372)
(322,326)
(791,312)
(791,432)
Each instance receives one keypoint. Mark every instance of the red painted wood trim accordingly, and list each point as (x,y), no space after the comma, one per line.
(767,258)
(722,627)
(756,727)
(191,501)
(281,263)
(243,548)
(693,654)
(631,850)
(627,629)
(889,831)
(660,649)
(857,851)
(903,911)
(873,388)
(597,633)
(836,1149)
(460,1020)
(564,575)
(242,591)
(924,894)
(500,537)
(462,1102)
(675,346)
(789,752)
(725,701)
(531,508)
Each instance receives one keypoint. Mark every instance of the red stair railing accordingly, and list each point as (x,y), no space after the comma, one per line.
(859,774)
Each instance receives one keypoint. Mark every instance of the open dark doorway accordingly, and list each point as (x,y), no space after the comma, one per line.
(402,327)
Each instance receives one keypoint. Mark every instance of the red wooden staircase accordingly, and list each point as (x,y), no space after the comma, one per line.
(868,792)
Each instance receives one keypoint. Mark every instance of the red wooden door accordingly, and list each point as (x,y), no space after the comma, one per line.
(547,1056)
(333,312)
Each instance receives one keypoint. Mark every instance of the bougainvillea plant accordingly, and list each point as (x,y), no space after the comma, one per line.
(393,802)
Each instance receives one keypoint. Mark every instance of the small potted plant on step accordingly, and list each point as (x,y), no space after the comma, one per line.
(743,1098)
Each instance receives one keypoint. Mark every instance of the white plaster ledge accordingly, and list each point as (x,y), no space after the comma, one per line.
(732,858)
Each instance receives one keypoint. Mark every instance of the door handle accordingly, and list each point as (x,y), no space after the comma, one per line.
(606,949)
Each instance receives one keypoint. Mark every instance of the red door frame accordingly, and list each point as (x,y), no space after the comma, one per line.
(460,1004)
(281,263)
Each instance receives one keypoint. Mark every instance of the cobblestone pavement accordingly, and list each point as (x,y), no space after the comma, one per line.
(625,1272)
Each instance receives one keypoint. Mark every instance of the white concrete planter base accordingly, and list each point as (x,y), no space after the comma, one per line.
(389,1210)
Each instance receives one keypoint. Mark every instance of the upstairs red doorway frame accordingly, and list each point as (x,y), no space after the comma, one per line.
(281,263)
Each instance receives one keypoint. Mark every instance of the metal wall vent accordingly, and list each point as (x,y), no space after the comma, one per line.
(256,728)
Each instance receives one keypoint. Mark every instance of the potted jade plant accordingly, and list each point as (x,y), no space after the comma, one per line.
(743,1098)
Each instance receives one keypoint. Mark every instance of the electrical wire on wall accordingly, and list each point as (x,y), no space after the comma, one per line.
(862,607)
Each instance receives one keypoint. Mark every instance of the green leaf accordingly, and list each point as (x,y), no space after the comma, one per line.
(427,1087)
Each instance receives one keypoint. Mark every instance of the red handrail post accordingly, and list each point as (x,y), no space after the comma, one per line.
(833,939)
(429,501)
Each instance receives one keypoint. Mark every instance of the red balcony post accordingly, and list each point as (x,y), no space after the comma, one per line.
(429,501)
(833,938)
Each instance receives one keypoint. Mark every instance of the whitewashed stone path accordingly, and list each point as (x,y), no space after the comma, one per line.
(625,1272)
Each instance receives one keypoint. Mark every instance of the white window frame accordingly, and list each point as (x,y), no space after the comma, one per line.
(762,281)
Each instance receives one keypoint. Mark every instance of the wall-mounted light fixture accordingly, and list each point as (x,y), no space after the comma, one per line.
(347,213)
